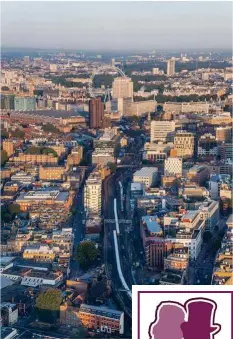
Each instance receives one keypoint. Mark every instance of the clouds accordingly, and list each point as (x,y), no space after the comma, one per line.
(117,25)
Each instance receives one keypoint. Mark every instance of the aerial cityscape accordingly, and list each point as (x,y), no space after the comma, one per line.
(116,160)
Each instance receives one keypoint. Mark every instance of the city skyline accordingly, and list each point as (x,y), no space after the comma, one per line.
(117,25)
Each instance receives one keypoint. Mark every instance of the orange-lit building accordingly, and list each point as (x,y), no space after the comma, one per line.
(8,146)
(45,197)
(102,318)
(75,157)
(36,159)
(51,172)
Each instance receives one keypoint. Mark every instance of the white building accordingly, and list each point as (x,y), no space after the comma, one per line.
(11,311)
(157,151)
(122,88)
(173,166)
(146,175)
(93,194)
(161,130)
(23,178)
(210,214)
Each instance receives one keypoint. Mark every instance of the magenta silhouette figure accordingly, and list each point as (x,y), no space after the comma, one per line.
(168,319)
(193,320)
(200,321)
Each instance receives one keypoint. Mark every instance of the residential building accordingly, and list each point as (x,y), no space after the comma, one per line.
(122,87)
(37,252)
(173,166)
(146,175)
(7,102)
(51,173)
(187,107)
(161,131)
(96,113)
(75,157)
(171,66)
(8,146)
(138,108)
(102,318)
(93,194)
(184,144)
(36,159)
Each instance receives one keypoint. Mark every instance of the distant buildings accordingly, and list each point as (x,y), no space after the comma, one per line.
(8,146)
(207,146)
(96,113)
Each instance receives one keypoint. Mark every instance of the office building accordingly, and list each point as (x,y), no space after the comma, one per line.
(8,146)
(198,174)
(162,130)
(25,103)
(93,194)
(9,314)
(51,173)
(23,178)
(96,113)
(187,107)
(122,87)
(157,151)
(173,166)
(8,102)
(137,108)
(226,151)
(184,144)
(209,212)
(146,175)
(171,67)
(207,146)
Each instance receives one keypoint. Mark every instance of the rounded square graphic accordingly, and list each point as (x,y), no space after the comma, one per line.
(190,309)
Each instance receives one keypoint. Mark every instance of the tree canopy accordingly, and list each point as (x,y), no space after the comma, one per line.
(50,128)
(87,253)
(40,150)
(48,305)
(18,134)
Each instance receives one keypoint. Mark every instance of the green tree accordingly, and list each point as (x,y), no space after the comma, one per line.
(48,305)
(4,134)
(18,134)
(112,167)
(4,157)
(48,150)
(217,244)
(50,128)
(33,150)
(14,209)
(86,253)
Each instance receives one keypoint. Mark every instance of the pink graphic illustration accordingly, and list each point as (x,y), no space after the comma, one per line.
(194,319)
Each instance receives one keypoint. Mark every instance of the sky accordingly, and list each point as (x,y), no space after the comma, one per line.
(117,25)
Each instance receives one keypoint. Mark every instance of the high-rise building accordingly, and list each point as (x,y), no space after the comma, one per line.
(96,113)
(184,144)
(122,88)
(8,146)
(173,166)
(93,194)
(25,103)
(161,130)
(171,67)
